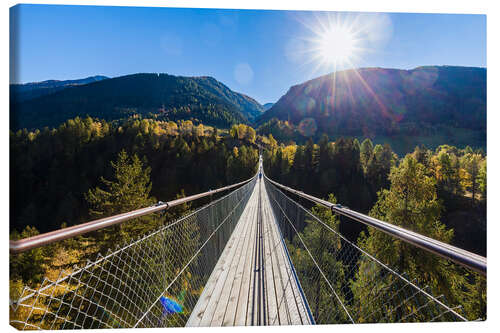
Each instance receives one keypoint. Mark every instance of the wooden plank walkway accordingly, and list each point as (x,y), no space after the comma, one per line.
(252,282)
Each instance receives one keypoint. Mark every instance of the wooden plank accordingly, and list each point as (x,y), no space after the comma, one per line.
(238,257)
(244,294)
(219,286)
(270,274)
(208,291)
(280,280)
(245,257)
(294,303)
(201,305)
(251,307)
(229,297)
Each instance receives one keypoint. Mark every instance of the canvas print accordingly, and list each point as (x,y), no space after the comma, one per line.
(175,167)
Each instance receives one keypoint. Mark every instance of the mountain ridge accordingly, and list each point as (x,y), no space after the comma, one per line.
(24,91)
(375,102)
(384,104)
(162,95)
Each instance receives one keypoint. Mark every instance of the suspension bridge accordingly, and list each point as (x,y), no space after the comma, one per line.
(247,258)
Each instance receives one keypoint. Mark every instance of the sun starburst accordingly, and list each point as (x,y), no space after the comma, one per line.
(336,41)
(337,45)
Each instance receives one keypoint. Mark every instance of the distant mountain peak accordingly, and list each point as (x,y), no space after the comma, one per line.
(25,91)
(267,106)
(89,79)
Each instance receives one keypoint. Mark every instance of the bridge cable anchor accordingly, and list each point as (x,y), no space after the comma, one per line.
(163,212)
(339,206)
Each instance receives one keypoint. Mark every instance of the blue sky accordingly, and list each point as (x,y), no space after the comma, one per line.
(259,53)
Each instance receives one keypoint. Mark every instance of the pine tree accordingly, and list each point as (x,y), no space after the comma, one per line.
(27,266)
(324,245)
(129,190)
(366,153)
(412,203)
(472,166)
(482,179)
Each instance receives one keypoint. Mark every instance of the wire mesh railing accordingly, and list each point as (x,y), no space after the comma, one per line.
(342,282)
(153,281)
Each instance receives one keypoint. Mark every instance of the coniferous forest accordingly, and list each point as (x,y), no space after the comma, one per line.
(86,169)
(438,193)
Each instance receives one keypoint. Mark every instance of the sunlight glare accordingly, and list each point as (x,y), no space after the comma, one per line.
(336,45)
(338,41)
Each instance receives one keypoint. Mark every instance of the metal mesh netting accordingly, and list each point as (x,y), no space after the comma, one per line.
(343,283)
(154,281)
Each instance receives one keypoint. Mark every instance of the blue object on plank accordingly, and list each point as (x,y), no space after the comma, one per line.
(170,306)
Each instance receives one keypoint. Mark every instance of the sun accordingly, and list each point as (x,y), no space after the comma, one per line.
(336,45)
(336,41)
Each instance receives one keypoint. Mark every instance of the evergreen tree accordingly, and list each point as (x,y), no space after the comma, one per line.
(324,245)
(472,166)
(379,167)
(129,190)
(411,202)
(366,153)
(27,266)
(482,179)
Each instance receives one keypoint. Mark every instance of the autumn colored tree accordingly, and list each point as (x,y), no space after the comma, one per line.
(482,179)
(27,266)
(472,165)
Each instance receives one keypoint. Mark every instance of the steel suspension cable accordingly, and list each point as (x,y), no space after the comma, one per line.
(447,251)
(393,289)
(314,261)
(29,243)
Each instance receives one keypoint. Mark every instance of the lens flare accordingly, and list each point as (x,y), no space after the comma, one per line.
(336,45)
(335,41)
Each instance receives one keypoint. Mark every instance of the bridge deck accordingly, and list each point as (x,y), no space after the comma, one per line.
(252,283)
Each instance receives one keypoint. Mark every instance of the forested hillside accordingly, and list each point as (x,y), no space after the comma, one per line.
(53,170)
(359,175)
(431,105)
(23,92)
(267,106)
(164,96)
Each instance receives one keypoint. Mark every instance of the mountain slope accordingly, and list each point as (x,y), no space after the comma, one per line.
(267,106)
(167,96)
(250,107)
(27,91)
(374,102)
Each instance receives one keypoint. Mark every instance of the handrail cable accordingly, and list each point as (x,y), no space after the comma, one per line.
(128,287)
(316,263)
(447,251)
(33,242)
(389,269)
(102,258)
